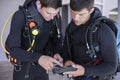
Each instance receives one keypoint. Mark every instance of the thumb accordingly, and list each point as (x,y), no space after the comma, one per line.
(75,66)
(78,66)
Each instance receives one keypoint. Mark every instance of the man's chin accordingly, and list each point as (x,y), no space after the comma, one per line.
(77,24)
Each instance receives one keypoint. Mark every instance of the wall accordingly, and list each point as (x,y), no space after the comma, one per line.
(109,6)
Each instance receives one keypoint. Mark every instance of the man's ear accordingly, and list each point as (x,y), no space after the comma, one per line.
(38,4)
(91,10)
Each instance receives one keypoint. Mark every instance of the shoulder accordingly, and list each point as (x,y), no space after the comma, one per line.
(103,27)
(19,12)
(18,19)
(18,16)
(104,31)
(105,24)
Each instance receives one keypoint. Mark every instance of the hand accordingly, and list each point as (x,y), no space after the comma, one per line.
(69,63)
(79,72)
(58,57)
(47,62)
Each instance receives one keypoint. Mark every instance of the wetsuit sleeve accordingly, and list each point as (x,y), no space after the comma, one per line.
(16,51)
(107,41)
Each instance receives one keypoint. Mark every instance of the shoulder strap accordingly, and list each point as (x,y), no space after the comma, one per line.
(31,12)
(57,22)
(91,41)
(110,23)
(35,15)
(31,15)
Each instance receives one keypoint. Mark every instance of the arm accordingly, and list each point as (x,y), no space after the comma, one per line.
(16,51)
(108,50)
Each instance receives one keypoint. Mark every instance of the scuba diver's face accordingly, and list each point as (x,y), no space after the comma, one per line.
(49,13)
(81,17)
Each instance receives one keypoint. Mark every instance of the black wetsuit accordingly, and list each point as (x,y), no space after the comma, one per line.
(46,43)
(78,48)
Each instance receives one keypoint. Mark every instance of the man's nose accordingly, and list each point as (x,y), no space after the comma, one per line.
(52,17)
(76,17)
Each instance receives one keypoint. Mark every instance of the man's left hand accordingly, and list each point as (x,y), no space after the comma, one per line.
(79,72)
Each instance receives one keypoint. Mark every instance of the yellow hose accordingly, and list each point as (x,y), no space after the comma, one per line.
(2,35)
(3,30)
(33,41)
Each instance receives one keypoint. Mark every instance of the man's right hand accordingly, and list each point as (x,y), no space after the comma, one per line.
(48,62)
(69,63)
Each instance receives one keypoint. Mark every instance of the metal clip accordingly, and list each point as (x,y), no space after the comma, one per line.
(17,67)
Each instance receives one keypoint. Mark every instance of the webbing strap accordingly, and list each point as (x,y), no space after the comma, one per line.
(35,14)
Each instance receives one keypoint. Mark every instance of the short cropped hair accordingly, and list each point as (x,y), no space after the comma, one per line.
(51,3)
(77,5)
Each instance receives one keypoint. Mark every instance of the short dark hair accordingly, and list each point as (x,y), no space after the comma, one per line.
(51,3)
(77,5)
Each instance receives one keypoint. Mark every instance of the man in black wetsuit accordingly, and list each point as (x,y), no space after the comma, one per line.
(75,48)
(34,44)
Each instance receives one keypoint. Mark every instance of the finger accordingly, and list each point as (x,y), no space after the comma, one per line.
(46,67)
(47,71)
(73,65)
(79,67)
(69,64)
(51,65)
(56,62)
(56,56)
(60,59)
(70,72)
(70,76)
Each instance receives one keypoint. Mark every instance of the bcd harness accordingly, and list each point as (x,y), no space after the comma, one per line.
(93,43)
(93,47)
(32,29)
